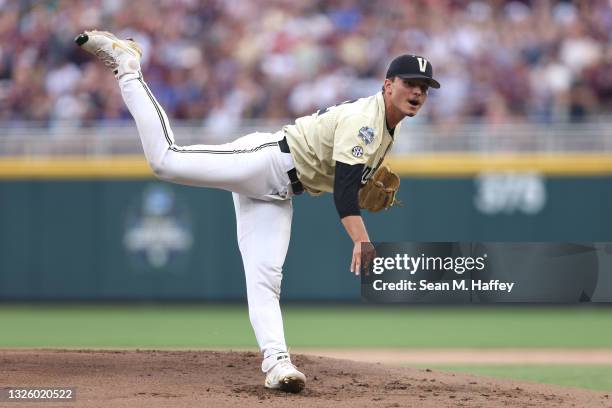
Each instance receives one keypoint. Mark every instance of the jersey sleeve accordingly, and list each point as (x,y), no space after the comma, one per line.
(355,140)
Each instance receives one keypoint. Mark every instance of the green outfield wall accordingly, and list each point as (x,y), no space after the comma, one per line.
(98,239)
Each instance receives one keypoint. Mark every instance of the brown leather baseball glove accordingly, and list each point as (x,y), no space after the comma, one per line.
(380,190)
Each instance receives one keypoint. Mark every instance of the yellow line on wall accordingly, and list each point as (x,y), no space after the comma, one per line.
(469,164)
(119,167)
(429,165)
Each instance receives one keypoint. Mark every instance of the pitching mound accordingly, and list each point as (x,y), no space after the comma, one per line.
(229,379)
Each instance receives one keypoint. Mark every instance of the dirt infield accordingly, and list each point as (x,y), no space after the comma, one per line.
(228,379)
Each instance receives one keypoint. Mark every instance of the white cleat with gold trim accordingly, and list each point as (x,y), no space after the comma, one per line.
(122,56)
(283,374)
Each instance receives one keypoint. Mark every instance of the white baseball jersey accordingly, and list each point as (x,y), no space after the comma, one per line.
(353,132)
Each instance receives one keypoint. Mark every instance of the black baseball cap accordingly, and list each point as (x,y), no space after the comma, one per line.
(412,67)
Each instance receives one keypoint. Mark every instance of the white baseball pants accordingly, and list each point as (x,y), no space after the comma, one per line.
(255,170)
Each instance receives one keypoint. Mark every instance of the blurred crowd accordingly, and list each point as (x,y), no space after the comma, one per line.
(222,61)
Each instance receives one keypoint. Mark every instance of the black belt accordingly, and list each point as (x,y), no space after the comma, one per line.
(296,184)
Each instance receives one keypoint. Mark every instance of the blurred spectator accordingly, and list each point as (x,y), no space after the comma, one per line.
(220,61)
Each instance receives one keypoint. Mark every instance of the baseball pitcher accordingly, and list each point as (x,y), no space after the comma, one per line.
(339,150)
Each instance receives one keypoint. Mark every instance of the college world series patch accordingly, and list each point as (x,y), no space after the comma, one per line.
(357,151)
(367,134)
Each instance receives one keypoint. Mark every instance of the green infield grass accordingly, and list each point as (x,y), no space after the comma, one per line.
(594,377)
(220,326)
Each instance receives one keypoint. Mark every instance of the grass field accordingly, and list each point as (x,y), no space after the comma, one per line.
(214,326)
(592,377)
(306,326)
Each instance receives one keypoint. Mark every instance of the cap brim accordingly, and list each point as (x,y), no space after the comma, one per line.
(430,81)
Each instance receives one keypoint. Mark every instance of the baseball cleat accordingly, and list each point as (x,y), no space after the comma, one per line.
(122,56)
(285,377)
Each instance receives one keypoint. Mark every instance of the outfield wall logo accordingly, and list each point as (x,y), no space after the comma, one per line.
(510,193)
(472,272)
(158,228)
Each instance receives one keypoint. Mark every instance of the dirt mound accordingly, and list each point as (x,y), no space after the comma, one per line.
(228,379)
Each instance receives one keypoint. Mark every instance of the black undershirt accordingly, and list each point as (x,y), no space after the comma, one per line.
(347,182)
(391,131)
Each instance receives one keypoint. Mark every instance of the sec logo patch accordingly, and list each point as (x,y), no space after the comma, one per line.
(357,151)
